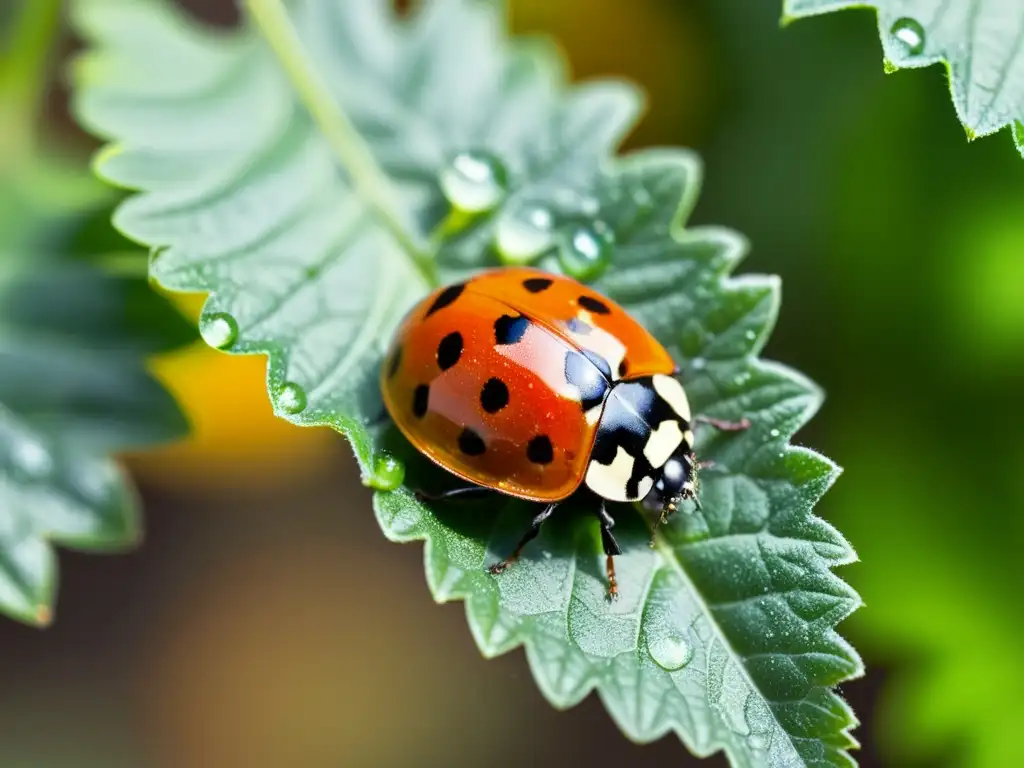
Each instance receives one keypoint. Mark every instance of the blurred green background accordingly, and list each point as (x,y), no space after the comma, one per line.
(266,622)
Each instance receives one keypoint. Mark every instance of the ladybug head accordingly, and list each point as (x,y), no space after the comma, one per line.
(675,482)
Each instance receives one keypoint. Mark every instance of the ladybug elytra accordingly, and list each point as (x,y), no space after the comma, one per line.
(533,385)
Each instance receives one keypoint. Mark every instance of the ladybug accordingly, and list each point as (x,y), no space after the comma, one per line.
(530,384)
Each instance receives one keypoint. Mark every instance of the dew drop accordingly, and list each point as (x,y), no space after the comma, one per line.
(388,473)
(31,457)
(522,234)
(219,330)
(750,335)
(474,181)
(670,653)
(774,433)
(586,251)
(291,398)
(910,34)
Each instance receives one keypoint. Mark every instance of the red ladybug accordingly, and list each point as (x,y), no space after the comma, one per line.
(530,384)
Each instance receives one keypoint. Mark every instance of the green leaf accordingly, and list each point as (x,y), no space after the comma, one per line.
(981,43)
(314,229)
(73,339)
(73,387)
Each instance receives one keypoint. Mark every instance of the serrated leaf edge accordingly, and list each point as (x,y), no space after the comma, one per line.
(1015,126)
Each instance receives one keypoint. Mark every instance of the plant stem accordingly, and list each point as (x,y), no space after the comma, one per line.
(370,181)
(23,73)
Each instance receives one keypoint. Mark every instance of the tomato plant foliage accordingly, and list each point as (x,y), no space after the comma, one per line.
(291,169)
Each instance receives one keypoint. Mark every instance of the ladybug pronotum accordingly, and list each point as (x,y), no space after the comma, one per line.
(533,385)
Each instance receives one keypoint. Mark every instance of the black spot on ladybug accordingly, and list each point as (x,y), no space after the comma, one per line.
(537,284)
(623,368)
(394,362)
(539,450)
(494,395)
(419,401)
(577,326)
(449,350)
(470,443)
(509,329)
(594,305)
(581,372)
(445,297)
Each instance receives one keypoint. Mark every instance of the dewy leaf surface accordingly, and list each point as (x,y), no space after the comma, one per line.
(980,41)
(248,188)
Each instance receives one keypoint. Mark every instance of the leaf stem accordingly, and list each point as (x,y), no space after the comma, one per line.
(368,178)
(24,71)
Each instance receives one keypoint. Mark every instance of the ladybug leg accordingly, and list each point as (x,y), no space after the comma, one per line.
(529,536)
(725,426)
(611,548)
(468,492)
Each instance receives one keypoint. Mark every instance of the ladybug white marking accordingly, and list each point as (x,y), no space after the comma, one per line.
(663,442)
(671,391)
(609,480)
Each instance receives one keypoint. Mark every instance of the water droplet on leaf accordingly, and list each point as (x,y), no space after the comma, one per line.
(291,398)
(388,473)
(670,653)
(474,181)
(521,235)
(586,252)
(219,330)
(774,433)
(910,34)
